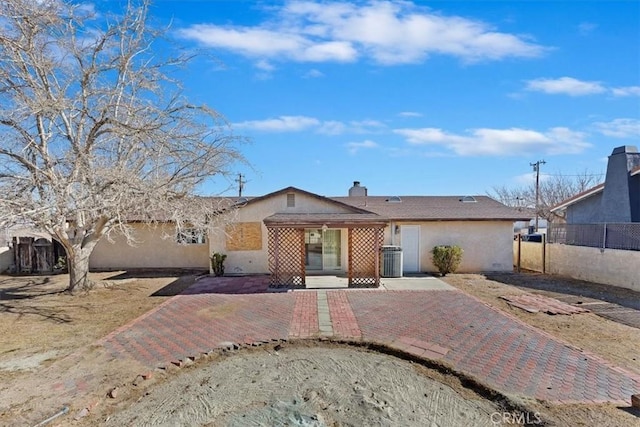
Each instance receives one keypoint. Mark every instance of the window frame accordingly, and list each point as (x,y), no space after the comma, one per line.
(191,236)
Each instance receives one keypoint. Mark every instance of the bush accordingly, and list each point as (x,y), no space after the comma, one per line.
(217,264)
(446,258)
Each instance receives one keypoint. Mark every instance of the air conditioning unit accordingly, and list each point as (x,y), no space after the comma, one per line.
(391,261)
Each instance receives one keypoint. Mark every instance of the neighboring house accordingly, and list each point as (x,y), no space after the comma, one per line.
(617,200)
(291,233)
(529,227)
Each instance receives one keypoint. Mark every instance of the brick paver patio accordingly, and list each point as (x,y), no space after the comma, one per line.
(449,326)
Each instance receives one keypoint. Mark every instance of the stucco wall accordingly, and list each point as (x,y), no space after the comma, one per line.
(151,251)
(6,258)
(611,267)
(257,261)
(486,244)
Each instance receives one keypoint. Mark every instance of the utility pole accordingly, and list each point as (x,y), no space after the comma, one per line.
(536,169)
(241,183)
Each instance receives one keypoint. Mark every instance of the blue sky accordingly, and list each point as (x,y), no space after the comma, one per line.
(413,98)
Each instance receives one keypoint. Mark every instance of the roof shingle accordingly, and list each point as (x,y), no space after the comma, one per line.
(436,208)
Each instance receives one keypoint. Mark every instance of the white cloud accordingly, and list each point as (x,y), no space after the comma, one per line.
(387,32)
(620,128)
(332,127)
(586,28)
(525,178)
(305,123)
(280,124)
(354,147)
(565,86)
(626,91)
(409,114)
(265,65)
(366,126)
(313,74)
(500,142)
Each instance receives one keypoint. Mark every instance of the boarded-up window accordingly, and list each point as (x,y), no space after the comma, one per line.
(244,236)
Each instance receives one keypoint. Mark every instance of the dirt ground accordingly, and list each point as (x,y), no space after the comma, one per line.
(40,325)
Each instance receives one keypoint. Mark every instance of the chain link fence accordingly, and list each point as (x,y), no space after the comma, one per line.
(625,236)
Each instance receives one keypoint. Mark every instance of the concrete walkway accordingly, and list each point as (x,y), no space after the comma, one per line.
(423,316)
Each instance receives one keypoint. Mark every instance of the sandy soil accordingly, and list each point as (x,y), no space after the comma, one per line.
(52,323)
(313,385)
(307,386)
(41,325)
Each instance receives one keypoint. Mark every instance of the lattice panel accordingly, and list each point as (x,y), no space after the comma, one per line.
(364,257)
(286,257)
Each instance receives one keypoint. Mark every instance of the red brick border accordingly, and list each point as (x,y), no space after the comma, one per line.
(344,322)
(304,321)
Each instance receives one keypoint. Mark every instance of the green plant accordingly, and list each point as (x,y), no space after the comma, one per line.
(61,264)
(446,258)
(217,263)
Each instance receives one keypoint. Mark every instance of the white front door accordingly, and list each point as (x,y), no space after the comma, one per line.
(410,243)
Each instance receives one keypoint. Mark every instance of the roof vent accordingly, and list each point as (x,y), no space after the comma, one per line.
(468,199)
(394,199)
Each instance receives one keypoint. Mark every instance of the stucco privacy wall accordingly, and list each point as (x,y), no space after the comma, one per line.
(610,267)
(486,244)
(151,251)
(6,258)
(256,261)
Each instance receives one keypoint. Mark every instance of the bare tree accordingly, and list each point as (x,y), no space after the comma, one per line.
(94,132)
(553,189)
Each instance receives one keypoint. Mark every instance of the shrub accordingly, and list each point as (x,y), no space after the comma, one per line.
(446,258)
(217,264)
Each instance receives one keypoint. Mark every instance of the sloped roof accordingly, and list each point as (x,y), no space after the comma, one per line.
(436,208)
(350,207)
(580,196)
(329,219)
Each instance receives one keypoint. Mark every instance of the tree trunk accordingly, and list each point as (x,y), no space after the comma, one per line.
(78,265)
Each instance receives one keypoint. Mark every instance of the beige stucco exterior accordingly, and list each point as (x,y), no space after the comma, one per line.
(610,266)
(6,258)
(487,245)
(256,261)
(151,251)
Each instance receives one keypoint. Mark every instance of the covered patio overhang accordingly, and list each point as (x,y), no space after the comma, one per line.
(287,246)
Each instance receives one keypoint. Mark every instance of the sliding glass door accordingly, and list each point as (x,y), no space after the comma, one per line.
(323,249)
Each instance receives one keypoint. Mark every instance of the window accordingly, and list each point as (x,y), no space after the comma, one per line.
(291,200)
(190,236)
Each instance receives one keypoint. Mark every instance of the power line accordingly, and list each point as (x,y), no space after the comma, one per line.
(568,176)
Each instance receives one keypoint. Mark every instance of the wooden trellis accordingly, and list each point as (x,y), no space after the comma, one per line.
(286,257)
(364,257)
